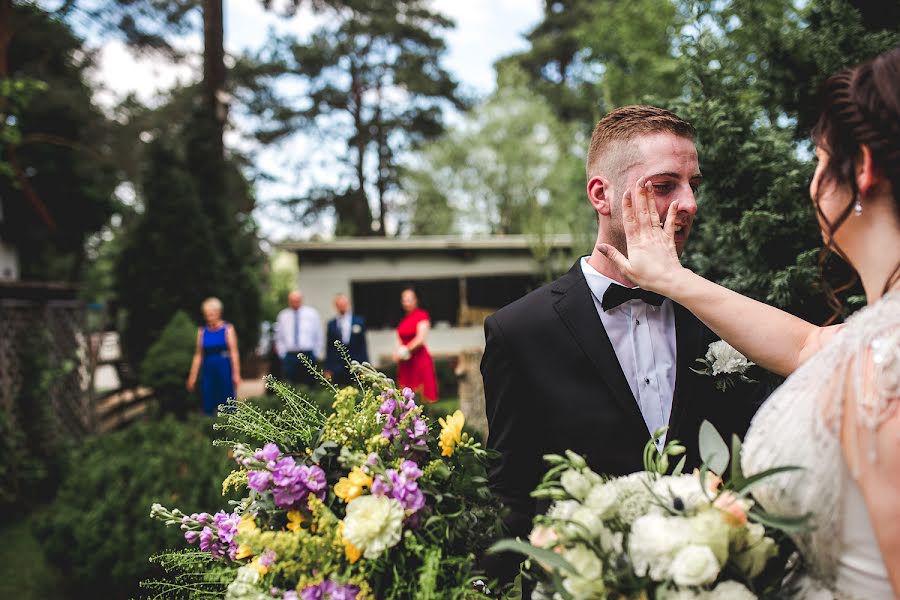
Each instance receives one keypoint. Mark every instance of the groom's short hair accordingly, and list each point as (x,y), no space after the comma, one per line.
(625,123)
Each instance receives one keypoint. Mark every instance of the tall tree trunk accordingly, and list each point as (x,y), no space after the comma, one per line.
(6,34)
(214,70)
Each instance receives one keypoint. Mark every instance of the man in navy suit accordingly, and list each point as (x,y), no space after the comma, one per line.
(350,330)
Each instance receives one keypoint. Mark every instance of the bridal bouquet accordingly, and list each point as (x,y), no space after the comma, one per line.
(370,502)
(655,536)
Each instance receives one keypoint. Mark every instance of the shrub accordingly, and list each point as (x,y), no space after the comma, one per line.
(98,533)
(168,362)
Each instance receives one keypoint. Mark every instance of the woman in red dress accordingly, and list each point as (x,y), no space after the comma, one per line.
(415,369)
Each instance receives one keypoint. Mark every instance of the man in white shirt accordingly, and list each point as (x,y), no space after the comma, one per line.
(298,331)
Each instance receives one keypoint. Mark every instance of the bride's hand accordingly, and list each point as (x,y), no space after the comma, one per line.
(652,258)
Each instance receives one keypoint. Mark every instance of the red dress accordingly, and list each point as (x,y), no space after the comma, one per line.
(417,372)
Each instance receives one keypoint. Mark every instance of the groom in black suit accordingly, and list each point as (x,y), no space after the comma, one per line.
(591,363)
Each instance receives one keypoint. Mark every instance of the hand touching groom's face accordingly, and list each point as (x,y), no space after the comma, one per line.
(669,162)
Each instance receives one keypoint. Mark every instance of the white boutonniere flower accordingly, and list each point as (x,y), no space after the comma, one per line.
(356,328)
(725,364)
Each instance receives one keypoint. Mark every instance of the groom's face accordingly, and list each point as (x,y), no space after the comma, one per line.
(670,163)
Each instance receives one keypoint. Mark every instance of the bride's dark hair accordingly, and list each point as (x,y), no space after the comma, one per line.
(860,107)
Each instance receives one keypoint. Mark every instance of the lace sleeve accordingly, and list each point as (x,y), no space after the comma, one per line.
(871,390)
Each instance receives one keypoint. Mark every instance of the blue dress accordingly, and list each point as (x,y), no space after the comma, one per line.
(216,385)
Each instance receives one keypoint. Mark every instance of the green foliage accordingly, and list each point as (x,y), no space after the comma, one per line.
(511,167)
(376,87)
(31,437)
(294,425)
(168,262)
(54,142)
(168,362)
(97,532)
(192,574)
(756,231)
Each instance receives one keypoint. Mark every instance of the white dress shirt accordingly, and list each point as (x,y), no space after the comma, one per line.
(643,338)
(344,322)
(299,331)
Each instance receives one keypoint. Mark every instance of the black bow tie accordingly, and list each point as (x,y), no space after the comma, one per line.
(617,294)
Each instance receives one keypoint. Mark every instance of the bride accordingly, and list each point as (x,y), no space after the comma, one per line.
(836,415)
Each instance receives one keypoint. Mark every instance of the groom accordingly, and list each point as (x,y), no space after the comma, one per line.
(592,364)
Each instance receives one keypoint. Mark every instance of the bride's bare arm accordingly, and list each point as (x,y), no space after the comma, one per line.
(773,338)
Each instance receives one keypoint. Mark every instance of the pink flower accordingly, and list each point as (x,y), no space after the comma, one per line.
(735,508)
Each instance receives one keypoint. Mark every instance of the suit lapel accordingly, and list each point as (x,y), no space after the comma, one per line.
(576,309)
(687,349)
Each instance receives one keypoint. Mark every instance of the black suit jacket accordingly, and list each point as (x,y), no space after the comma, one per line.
(552,382)
(356,346)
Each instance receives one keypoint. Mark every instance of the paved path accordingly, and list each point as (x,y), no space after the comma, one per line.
(251,388)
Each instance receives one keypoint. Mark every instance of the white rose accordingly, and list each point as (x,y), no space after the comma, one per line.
(373,524)
(694,565)
(587,581)
(731,590)
(575,484)
(685,488)
(725,359)
(653,543)
(709,529)
(244,586)
(602,499)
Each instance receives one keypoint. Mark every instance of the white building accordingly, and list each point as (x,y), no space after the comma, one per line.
(459,281)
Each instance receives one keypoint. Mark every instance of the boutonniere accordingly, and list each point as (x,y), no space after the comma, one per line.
(356,328)
(724,364)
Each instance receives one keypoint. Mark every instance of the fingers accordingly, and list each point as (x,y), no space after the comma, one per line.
(641,204)
(651,203)
(615,256)
(671,219)
(629,222)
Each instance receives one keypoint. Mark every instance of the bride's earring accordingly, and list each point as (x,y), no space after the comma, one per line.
(857,210)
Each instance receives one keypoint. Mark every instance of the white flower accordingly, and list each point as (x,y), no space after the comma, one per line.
(725,359)
(244,586)
(602,499)
(591,524)
(685,488)
(653,543)
(694,565)
(563,510)
(711,530)
(575,484)
(587,581)
(373,524)
(633,495)
(731,590)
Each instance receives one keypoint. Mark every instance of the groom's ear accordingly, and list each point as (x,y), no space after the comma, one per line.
(600,195)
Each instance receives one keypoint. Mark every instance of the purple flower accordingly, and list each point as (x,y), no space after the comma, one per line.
(191,536)
(410,469)
(312,592)
(408,393)
(401,486)
(388,406)
(313,478)
(268,453)
(291,595)
(419,429)
(259,480)
(267,558)
(380,487)
(207,539)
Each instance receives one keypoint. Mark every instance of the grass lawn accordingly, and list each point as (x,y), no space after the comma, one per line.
(24,573)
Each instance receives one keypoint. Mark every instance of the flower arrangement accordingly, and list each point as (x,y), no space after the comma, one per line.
(370,501)
(724,364)
(654,536)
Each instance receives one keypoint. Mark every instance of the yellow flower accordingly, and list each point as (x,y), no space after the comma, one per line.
(248,523)
(352,552)
(259,568)
(451,432)
(243,552)
(351,486)
(295,518)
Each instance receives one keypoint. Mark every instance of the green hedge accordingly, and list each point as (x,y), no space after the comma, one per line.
(98,533)
(168,362)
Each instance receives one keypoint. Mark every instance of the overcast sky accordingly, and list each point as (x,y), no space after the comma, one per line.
(485,31)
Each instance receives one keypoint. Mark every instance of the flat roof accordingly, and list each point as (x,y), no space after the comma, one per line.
(430,242)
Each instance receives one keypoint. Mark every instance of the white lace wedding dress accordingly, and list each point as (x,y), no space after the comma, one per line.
(799,425)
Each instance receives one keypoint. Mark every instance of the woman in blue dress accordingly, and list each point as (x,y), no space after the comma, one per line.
(216,359)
